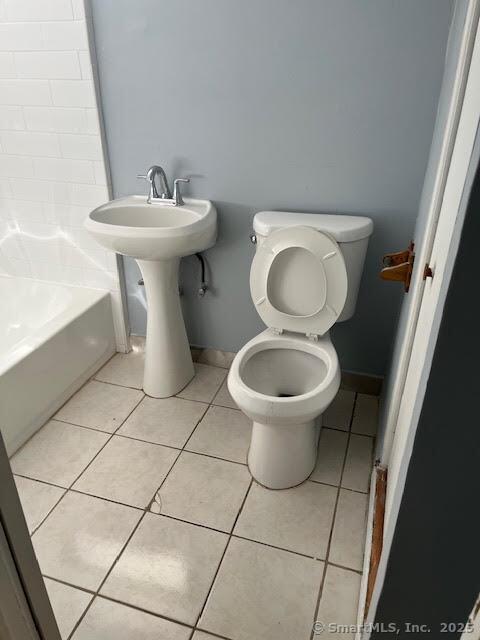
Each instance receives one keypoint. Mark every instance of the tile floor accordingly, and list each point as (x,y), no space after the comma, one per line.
(147,525)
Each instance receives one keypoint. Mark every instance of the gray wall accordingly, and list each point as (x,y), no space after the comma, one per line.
(309,105)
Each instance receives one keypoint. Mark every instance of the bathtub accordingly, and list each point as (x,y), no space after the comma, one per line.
(52,339)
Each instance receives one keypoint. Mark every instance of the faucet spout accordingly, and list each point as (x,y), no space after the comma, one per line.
(150,177)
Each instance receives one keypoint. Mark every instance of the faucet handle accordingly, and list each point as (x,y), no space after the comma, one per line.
(141,176)
(177,196)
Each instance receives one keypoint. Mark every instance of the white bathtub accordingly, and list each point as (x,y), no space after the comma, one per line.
(52,339)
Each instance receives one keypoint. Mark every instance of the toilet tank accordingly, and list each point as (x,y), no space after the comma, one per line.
(350,232)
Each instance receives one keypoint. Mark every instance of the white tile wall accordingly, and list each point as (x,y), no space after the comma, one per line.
(52,171)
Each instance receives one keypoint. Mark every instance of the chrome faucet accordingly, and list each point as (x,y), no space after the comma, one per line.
(165,195)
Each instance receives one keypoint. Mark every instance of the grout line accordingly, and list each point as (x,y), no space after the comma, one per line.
(103,447)
(102,582)
(330,538)
(176,518)
(224,552)
(135,528)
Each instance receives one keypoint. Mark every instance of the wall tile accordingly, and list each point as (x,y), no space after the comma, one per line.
(89,195)
(7,65)
(78,9)
(15,166)
(25,92)
(63,170)
(35,10)
(11,118)
(73,93)
(21,37)
(30,144)
(93,125)
(57,119)
(85,65)
(5,188)
(84,147)
(100,174)
(47,64)
(52,170)
(65,36)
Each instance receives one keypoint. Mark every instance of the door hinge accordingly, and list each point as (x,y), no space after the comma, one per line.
(398,266)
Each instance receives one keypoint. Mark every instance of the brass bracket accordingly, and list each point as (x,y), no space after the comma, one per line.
(398,266)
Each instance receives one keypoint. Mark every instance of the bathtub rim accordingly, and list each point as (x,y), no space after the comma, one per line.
(84,298)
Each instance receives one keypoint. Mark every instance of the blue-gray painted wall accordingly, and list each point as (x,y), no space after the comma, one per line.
(311,105)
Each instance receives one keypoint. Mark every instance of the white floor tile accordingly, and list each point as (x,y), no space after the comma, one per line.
(201,635)
(348,538)
(81,538)
(100,406)
(298,519)
(106,620)
(127,471)
(365,417)
(167,568)
(224,433)
(339,413)
(331,454)
(168,421)
(205,491)
(125,369)
(359,463)
(223,397)
(37,500)
(205,384)
(58,453)
(262,592)
(68,604)
(339,603)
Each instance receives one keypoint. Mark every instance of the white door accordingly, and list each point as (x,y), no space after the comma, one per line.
(438,246)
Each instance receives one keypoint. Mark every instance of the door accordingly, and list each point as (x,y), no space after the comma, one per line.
(25,610)
(457,64)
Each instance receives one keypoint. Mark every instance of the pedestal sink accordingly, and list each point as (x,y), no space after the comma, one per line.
(157,236)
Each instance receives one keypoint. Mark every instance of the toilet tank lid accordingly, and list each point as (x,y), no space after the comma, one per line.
(342,228)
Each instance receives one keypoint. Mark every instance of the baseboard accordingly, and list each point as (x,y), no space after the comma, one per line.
(362,383)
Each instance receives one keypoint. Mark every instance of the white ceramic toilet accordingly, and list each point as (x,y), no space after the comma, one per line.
(304,277)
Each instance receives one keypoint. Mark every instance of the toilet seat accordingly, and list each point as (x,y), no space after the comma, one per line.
(286,298)
(260,405)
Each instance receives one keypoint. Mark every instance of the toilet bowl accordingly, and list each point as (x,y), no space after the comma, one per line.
(283,383)
(304,278)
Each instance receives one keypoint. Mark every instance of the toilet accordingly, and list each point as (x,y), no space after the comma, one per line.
(304,278)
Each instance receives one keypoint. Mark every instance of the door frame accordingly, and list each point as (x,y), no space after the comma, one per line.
(423,252)
(465,159)
(25,609)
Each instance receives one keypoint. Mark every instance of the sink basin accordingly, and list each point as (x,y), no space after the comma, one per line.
(157,236)
(134,228)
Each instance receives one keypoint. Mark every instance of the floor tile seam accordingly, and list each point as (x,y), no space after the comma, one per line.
(223,554)
(180,451)
(48,513)
(102,582)
(336,486)
(103,447)
(94,595)
(330,537)
(218,390)
(123,548)
(117,384)
(69,488)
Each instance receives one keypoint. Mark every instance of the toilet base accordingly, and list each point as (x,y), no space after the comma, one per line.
(283,456)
